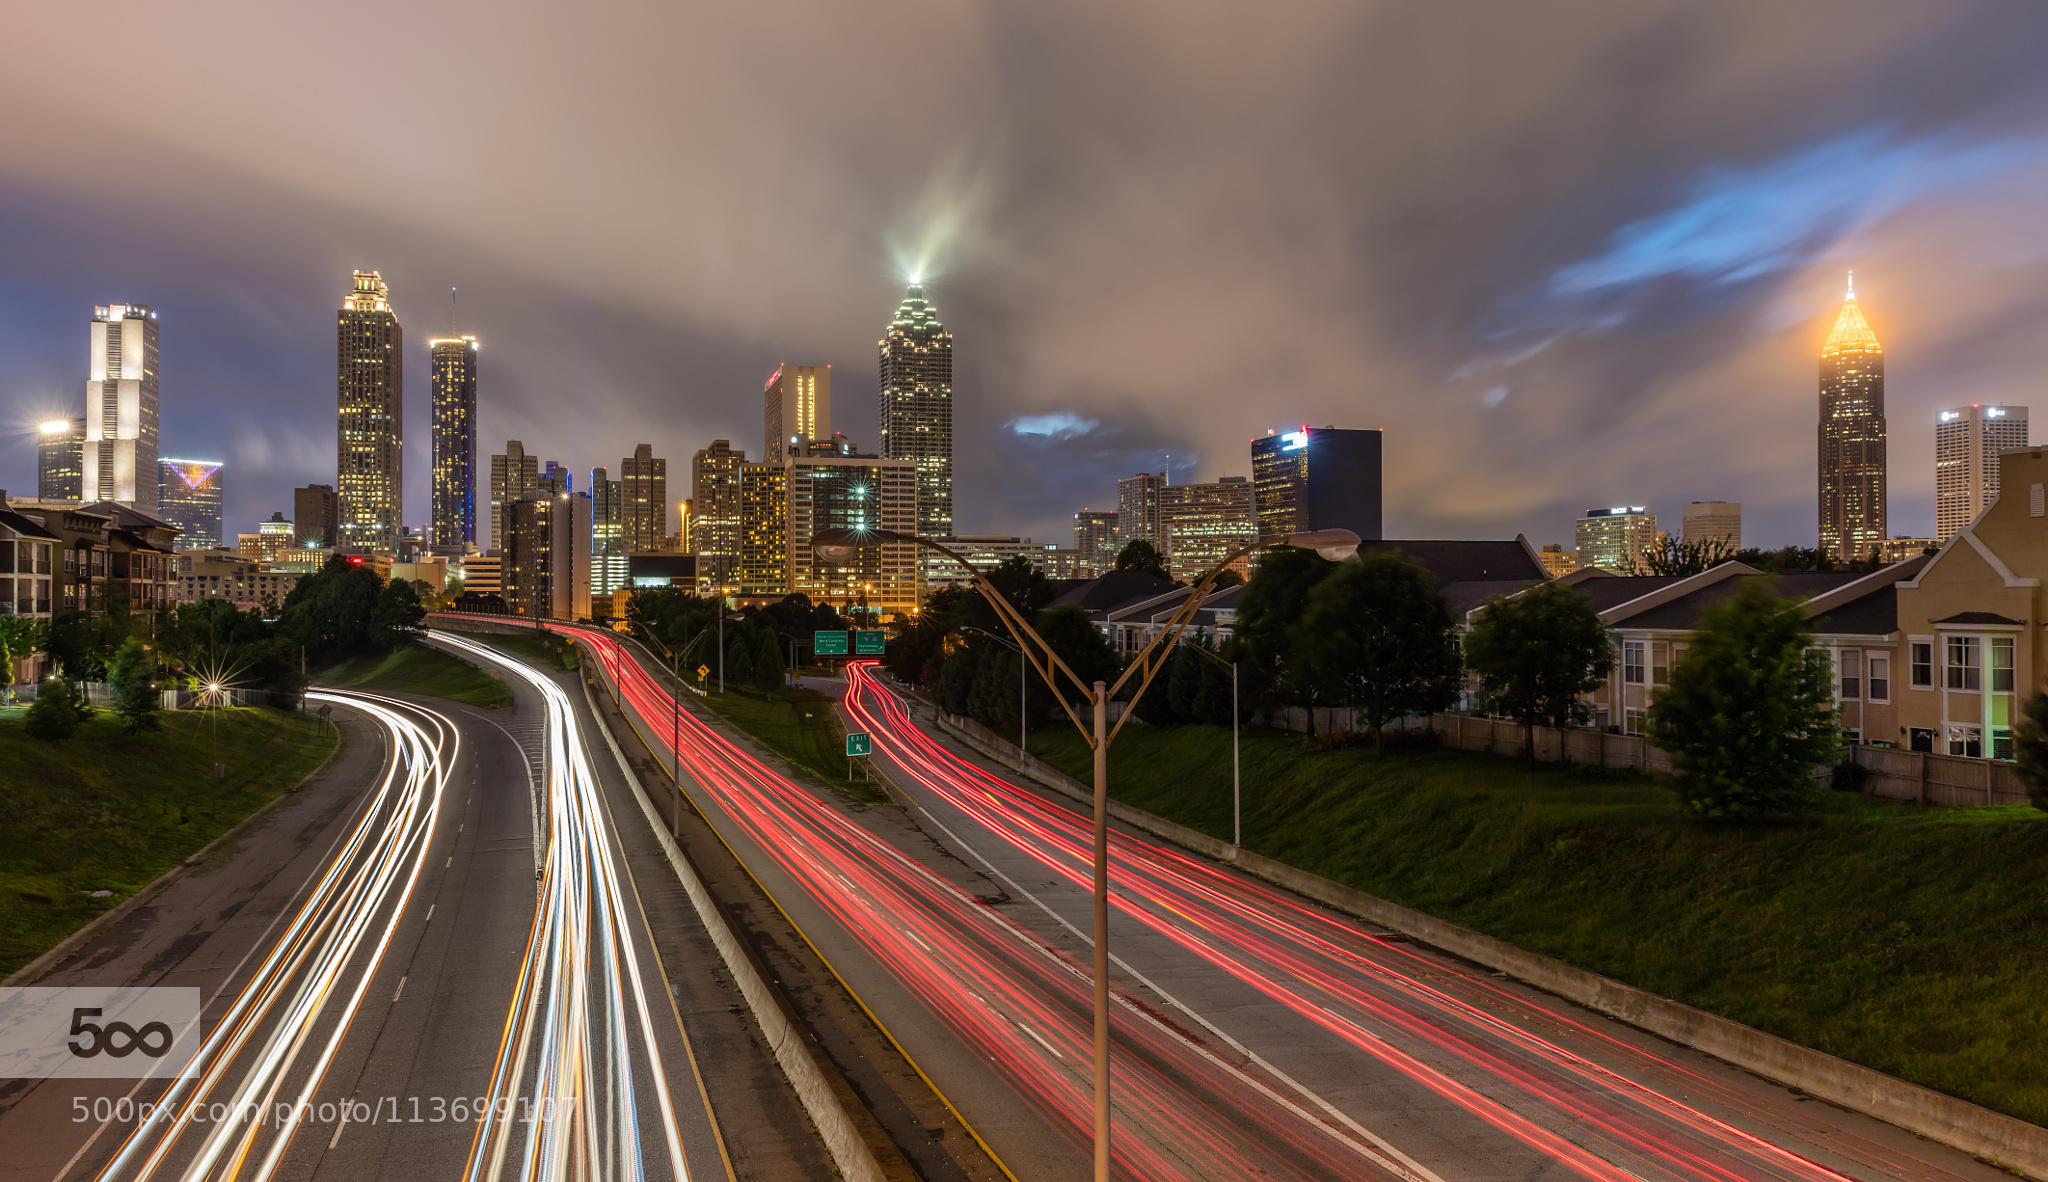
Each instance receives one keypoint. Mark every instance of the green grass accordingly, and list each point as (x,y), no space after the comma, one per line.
(1908,939)
(420,670)
(799,725)
(543,650)
(105,810)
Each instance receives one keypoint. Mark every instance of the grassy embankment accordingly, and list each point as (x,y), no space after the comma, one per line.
(543,650)
(1912,940)
(418,669)
(800,725)
(109,811)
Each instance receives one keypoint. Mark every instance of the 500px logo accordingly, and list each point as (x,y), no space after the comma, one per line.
(92,1033)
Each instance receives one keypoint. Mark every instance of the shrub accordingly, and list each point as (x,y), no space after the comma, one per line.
(54,715)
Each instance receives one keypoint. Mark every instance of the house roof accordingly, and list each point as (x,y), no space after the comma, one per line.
(1461,561)
(127,517)
(1978,618)
(1684,611)
(1470,593)
(1615,590)
(23,526)
(1875,614)
(1116,589)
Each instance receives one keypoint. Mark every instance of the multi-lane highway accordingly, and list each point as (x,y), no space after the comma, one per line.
(1469,1076)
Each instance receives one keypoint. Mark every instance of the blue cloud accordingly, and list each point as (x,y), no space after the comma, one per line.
(1059,424)
(1737,224)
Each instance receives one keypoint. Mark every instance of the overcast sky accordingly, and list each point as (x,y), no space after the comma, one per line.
(1566,255)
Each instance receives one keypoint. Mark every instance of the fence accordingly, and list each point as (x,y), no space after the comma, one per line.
(1938,779)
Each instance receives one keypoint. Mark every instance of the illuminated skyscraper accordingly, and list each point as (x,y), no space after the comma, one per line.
(370,391)
(1203,523)
(917,406)
(1967,443)
(715,511)
(515,476)
(764,530)
(645,504)
(118,462)
(607,539)
(1852,434)
(1323,478)
(188,496)
(829,488)
(797,408)
(60,460)
(1614,539)
(1137,511)
(454,443)
(1095,540)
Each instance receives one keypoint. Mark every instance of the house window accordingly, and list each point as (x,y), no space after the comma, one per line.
(2001,742)
(2001,664)
(1880,685)
(1963,665)
(1660,663)
(1850,662)
(1632,722)
(1965,740)
(1922,664)
(1632,663)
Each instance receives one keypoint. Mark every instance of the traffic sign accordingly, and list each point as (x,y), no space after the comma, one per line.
(858,744)
(868,642)
(829,644)
(703,671)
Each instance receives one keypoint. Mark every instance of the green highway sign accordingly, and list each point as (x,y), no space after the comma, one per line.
(830,644)
(858,744)
(868,642)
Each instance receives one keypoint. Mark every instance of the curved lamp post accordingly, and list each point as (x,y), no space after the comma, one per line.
(839,546)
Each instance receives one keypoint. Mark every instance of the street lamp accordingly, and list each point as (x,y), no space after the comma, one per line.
(1023,671)
(839,547)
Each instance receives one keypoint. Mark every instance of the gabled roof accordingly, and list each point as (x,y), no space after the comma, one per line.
(1463,561)
(1116,589)
(1684,611)
(1979,618)
(23,526)
(127,517)
(1615,590)
(1468,594)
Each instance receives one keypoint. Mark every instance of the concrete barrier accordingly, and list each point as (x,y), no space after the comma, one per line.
(2007,1141)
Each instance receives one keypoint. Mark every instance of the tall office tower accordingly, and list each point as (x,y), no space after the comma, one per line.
(60,460)
(1558,561)
(1967,443)
(829,489)
(1137,511)
(607,541)
(1095,540)
(645,520)
(1323,478)
(764,530)
(1852,462)
(798,408)
(917,406)
(453,529)
(1203,523)
(119,458)
(188,496)
(714,532)
(546,568)
(316,515)
(1614,539)
(370,388)
(555,479)
(1713,521)
(515,476)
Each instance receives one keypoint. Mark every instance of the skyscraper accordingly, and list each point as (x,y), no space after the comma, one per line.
(1323,478)
(715,511)
(832,489)
(1852,434)
(60,460)
(188,496)
(797,408)
(1713,521)
(1137,510)
(316,515)
(370,391)
(1614,539)
(118,462)
(515,476)
(764,529)
(645,501)
(555,479)
(1967,443)
(1095,540)
(547,557)
(453,529)
(607,541)
(917,406)
(1203,523)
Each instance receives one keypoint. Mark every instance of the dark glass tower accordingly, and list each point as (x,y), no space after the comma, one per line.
(1320,478)
(454,444)
(370,427)
(1852,433)
(917,406)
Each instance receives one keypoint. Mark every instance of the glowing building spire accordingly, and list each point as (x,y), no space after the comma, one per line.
(1852,436)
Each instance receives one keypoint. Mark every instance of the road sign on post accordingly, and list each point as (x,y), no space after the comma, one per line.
(703,671)
(858,744)
(868,642)
(829,644)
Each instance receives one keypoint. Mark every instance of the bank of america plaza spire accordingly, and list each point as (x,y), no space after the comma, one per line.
(1852,435)
(917,406)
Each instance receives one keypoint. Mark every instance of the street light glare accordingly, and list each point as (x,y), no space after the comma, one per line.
(1335,545)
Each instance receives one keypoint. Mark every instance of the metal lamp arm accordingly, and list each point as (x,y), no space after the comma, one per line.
(1170,635)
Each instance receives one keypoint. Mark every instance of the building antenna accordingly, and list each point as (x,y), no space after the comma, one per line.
(1169,468)
(451,311)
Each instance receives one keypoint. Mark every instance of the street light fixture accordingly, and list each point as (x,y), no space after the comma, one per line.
(1023,671)
(839,547)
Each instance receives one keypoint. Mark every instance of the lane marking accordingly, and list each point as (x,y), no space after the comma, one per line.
(430,913)
(336,1139)
(395,993)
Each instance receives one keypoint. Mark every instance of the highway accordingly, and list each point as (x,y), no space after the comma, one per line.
(1465,1074)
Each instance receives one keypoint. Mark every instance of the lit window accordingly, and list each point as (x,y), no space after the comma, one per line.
(2001,664)
(1963,663)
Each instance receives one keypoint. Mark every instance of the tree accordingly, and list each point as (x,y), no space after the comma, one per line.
(20,637)
(132,673)
(54,715)
(1380,638)
(1024,585)
(398,617)
(1749,712)
(768,666)
(1536,653)
(1675,557)
(1263,641)
(2030,748)
(1074,637)
(1141,555)
(739,666)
